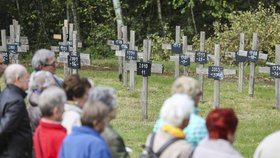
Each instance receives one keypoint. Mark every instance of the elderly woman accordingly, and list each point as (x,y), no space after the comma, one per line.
(108,96)
(41,81)
(49,135)
(169,141)
(44,60)
(221,125)
(85,141)
(76,89)
(196,130)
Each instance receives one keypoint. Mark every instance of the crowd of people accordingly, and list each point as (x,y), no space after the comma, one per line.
(43,116)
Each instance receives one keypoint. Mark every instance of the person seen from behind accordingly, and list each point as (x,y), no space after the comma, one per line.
(221,125)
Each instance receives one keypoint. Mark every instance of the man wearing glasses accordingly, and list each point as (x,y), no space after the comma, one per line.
(44,60)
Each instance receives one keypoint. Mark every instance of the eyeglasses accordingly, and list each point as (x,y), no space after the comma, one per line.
(54,64)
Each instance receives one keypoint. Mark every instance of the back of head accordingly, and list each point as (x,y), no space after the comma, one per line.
(42,80)
(221,122)
(50,98)
(12,72)
(104,94)
(94,112)
(40,58)
(186,85)
(75,86)
(175,109)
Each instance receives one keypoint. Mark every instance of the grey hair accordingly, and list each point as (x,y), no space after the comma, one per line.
(12,72)
(95,111)
(41,58)
(42,80)
(50,98)
(176,108)
(105,94)
(186,85)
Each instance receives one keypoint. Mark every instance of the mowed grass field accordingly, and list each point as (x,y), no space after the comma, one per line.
(257,115)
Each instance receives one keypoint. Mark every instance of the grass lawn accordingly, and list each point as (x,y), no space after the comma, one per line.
(257,117)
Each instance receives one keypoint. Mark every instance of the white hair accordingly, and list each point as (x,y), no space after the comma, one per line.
(50,98)
(104,94)
(42,80)
(41,58)
(176,108)
(12,72)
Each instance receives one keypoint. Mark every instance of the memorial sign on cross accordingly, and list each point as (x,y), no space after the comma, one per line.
(13,44)
(67,49)
(274,71)
(217,73)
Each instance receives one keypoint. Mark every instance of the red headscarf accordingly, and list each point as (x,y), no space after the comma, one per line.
(220,122)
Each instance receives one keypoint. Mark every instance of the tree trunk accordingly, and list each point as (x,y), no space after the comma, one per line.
(76,19)
(160,16)
(193,19)
(18,11)
(118,12)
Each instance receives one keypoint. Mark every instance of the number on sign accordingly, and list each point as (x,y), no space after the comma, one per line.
(63,48)
(130,55)
(216,72)
(184,60)
(144,69)
(118,42)
(239,58)
(201,57)
(12,48)
(275,71)
(124,46)
(253,56)
(6,57)
(177,48)
(74,61)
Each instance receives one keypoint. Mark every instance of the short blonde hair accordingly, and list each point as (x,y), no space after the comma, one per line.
(186,85)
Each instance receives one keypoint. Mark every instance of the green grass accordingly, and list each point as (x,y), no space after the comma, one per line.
(257,117)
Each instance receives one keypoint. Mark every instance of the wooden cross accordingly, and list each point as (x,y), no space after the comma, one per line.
(13,44)
(115,45)
(240,59)
(132,55)
(274,71)
(177,48)
(68,49)
(217,73)
(143,69)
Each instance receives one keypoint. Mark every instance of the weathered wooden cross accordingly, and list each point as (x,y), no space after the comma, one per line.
(132,55)
(67,49)
(144,69)
(217,73)
(274,71)
(13,44)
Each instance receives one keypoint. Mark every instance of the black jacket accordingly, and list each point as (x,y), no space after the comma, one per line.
(15,130)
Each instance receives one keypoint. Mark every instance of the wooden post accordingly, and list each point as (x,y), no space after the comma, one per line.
(132,62)
(64,42)
(120,59)
(252,66)
(241,65)
(201,48)
(185,49)
(75,52)
(125,76)
(4,40)
(277,80)
(177,40)
(144,100)
(217,82)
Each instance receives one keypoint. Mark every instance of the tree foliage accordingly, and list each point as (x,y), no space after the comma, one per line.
(40,19)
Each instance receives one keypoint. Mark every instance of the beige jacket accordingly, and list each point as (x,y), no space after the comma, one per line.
(179,149)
